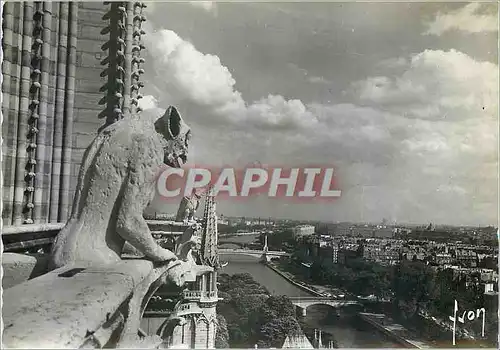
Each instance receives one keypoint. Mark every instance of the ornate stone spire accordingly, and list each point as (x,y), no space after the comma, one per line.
(209,254)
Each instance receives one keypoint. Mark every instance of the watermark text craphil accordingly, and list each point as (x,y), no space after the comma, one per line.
(301,183)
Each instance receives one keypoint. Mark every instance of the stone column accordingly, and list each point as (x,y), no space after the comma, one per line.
(183,334)
(192,332)
(11,70)
(211,335)
(136,59)
(214,280)
(34,114)
(24,114)
(201,334)
(128,57)
(69,98)
(57,144)
(177,336)
(200,283)
(211,314)
(115,70)
(41,159)
(45,170)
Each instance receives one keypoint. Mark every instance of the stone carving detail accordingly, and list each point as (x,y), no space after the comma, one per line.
(100,338)
(99,306)
(188,244)
(188,207)
(36,63)
(116,183)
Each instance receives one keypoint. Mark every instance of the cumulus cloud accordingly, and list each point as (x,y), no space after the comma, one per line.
(393,62)
(437,85)
(148,102)
(276,110)
(402,109)
(450,104)
(209,6)
(319,80)
(199,77)
(203,80)
(465,19)
(447,95)
(418,136)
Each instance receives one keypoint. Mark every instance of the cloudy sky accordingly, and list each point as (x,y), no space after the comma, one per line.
(401,98)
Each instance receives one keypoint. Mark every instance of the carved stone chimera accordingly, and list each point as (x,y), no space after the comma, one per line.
(116,183)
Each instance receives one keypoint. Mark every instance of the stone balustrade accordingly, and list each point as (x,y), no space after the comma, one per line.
(167,226)
(199,295)
(189,308)
(24,238)
(86,306)
(191,294)
(29,237)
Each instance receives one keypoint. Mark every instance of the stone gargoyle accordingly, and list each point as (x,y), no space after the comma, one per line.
(116,183)
(188,207)
(188,244)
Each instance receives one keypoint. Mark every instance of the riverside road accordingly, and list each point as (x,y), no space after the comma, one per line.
(347,329)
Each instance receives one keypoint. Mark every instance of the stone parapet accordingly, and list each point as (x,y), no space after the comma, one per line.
(201,296)
(90,306)
(19,268)
(21,238)
(32,237)
(188,309)
(167,226)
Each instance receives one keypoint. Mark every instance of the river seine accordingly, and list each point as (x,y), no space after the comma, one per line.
(347,329)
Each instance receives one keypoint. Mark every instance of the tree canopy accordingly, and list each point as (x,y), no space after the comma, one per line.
(252,315)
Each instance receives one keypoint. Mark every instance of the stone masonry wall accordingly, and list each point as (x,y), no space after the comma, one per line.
(201,334)
(205,331)
(88,81)
(56,53)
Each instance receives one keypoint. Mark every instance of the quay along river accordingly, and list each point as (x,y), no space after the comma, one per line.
(348,330)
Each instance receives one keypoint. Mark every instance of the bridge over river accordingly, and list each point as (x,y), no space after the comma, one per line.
(253,253)
(348,330)
(264,254)
(304,302)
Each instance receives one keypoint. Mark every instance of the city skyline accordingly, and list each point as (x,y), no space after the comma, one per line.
(150,213)
(400,99)
(368,109)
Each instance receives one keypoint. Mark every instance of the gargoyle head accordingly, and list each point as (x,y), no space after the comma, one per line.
(177,134)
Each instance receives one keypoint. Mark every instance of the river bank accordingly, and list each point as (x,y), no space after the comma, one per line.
(381,322)
(385,324)
(290,278)
(346,329)
(423,328)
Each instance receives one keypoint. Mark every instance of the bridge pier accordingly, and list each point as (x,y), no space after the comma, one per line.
(302,303)
(302,310)
(265,258)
